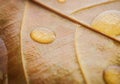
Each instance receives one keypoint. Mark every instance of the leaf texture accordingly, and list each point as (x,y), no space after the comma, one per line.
(78,55)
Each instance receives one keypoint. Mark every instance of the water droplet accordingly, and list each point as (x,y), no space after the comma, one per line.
(61,1)
(108,22)
(112,75)
(43,35)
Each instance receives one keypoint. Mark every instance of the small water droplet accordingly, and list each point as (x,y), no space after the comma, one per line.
(108,22)
(43,35)
(112,75)
(61,1)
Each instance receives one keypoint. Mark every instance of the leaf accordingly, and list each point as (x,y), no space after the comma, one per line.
(56,62)
(82,12)
(3,62)
(78,55)
(95,54)
(11,13)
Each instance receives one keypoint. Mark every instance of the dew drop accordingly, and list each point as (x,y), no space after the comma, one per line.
(112,75)
(108,22)
(43,35)
(61,1)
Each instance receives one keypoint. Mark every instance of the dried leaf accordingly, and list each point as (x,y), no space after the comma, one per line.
(78,55)
(82,12)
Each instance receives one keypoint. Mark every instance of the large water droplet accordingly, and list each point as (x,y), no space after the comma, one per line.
(43,35)
(112,75)
(108,22)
